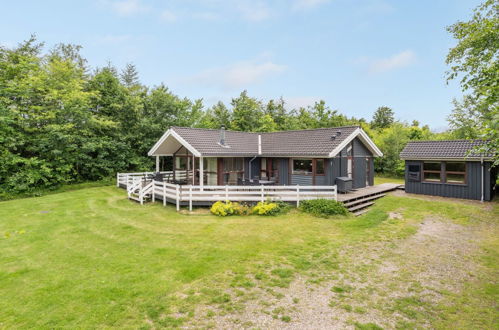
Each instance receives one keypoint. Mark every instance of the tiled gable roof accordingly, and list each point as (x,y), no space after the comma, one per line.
(446,149)
(307,143)
(316,142)
(206,141)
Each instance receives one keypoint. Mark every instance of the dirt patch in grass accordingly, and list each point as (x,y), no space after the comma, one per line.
(388,284)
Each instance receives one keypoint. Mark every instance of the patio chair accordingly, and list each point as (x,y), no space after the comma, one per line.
(158,176)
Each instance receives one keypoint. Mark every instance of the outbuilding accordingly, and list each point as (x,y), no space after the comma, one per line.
(449,168)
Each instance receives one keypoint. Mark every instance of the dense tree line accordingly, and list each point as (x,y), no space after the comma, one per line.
(63,122)
(60,122)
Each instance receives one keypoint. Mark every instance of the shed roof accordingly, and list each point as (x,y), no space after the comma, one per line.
(445,149)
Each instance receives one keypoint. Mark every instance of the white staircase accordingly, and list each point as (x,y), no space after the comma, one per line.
(140,190)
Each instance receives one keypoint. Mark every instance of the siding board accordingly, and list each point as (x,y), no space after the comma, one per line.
(471,190)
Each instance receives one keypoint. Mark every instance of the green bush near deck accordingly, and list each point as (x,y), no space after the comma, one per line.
(223,209)
(267,208)
(323,207)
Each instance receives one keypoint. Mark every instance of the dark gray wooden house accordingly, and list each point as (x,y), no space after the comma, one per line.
(448,168)
(301,157)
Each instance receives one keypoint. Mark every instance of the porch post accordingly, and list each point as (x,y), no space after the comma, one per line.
(157,163)
(193,170)
(201,172)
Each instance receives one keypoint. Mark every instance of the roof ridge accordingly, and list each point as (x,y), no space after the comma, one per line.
(212,129)
(291,130)
(311,129)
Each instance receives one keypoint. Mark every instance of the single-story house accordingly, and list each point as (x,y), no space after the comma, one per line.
(300,157)
(449,168)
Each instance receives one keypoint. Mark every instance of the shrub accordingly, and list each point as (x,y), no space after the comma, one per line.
(241,209)
(323,207)
(223,209)
(283,207)
(266,208)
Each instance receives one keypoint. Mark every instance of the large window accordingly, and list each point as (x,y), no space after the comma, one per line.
(210,171)
(263,168)
(432,172)
(308,166)
(233,169)
(455,172)
(302,166)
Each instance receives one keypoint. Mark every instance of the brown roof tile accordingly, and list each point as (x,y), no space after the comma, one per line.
(315,142)
(445,149)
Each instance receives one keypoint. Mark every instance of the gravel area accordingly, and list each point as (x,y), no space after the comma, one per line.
(371,279)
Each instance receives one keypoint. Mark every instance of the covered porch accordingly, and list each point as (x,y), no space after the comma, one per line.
(178,162)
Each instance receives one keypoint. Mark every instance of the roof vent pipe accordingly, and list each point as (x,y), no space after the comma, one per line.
(222,135)
(338,133)
(333,138)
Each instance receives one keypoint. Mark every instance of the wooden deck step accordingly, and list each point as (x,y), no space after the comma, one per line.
(365,199)
(360,206)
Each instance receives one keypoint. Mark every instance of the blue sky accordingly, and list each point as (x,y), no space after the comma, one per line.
(355,54)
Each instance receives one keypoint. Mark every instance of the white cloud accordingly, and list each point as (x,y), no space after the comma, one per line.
(300,101)
(129,7)
(168,16)
(254,11)
(238,75)
(7,44)
(396,61)
(308,4)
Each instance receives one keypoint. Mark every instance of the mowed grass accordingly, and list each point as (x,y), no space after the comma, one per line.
(91,258)
(379,179)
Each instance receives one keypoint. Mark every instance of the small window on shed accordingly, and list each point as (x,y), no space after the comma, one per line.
(432,172)
(455,172)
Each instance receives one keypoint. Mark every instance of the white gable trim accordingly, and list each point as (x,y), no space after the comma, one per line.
(359,132)
(177,137)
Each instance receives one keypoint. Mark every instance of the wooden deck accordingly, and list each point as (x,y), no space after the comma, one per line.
(362,193)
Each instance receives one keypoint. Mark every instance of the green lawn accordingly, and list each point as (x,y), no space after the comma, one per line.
(379,179)
(91,258)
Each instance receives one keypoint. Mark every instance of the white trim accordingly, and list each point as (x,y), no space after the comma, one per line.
(259,144)
(177,137)
(364,137)
(201,172)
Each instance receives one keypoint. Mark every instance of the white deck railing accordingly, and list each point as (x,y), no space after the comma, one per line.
(126,179)
(191,194)
(142,185)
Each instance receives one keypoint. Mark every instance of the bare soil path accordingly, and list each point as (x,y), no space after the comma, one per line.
(386,284)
